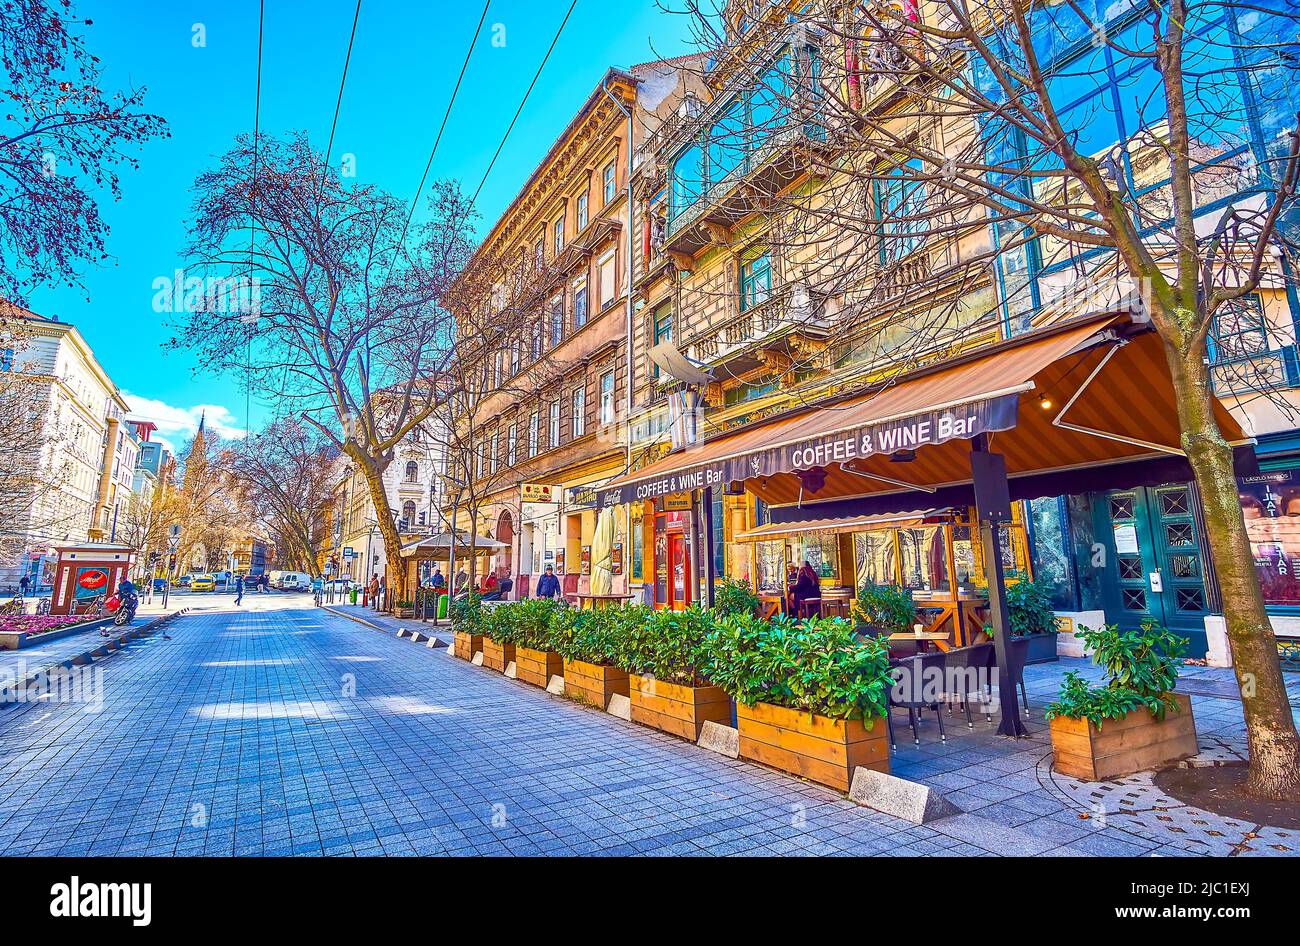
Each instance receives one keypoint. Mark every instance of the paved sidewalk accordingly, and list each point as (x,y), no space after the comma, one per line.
(19,664)
(288,732)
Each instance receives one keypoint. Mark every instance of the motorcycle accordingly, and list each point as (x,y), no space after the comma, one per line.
(123,608)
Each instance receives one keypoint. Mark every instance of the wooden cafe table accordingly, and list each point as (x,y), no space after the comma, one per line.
(924,638)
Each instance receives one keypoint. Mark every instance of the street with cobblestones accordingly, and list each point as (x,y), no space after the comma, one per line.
(290,730)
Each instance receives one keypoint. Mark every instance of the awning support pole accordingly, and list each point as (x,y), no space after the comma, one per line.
(994,507)
(707,496)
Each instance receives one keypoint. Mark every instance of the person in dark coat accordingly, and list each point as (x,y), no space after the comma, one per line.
(548,586)
(806,586)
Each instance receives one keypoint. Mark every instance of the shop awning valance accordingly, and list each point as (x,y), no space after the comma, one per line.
(900,520)
(1088,391)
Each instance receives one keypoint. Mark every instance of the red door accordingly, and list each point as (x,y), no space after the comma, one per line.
(679,570)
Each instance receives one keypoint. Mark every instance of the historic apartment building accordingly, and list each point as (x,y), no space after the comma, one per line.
(87,463)
(552,427)
(749,275)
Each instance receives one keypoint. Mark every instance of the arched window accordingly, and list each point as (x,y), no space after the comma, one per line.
(408,513)
(412,472)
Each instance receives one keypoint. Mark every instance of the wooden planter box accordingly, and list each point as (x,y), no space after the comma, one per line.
(465,646)
(1123,746)
(497,656)
(819,748)
(537,666)
(593,683)
(676,709)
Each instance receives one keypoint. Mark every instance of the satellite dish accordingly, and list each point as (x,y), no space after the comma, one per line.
(670,361)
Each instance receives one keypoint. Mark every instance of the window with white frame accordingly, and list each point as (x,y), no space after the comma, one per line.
(493,456)
(557,320)
(558,235)
(579,302)
(607,398)
(579,412)
(539,253)
(534,424)
(515,348)
(609,183)
(608,279)
(512,445)
(537,341)
(582,211)
(554,431)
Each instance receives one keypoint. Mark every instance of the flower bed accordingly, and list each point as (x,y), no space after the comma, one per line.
(32,624)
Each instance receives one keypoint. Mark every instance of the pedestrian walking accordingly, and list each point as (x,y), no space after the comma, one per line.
(548,586)
(239,590)
(23,584)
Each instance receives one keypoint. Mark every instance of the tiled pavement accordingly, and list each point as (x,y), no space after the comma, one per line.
(298,732)
(389,623)
(15,664)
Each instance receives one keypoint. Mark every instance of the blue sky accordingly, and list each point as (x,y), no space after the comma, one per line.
(404,64)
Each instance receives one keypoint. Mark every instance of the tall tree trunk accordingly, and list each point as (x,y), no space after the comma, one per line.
(1270,726)
(374,476)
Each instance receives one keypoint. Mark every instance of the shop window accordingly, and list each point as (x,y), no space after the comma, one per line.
(818,550)
(924,558)
(876,558)
(1270,503)
(769,564)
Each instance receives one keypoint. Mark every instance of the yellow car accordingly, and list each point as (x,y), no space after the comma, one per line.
(203,583)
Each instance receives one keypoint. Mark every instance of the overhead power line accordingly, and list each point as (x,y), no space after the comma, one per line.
(338,104)
(523,102)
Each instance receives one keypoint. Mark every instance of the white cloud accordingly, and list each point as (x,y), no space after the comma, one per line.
(180,423)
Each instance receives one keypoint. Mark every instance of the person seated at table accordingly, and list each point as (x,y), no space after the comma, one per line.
(806,586)
(504,586)
(490,590)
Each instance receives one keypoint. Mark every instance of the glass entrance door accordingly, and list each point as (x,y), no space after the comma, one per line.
(679,571)
(1152,566)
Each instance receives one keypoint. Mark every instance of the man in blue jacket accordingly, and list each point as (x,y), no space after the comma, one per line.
(548,586)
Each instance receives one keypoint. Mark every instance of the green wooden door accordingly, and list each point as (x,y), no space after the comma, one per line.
(1153,566)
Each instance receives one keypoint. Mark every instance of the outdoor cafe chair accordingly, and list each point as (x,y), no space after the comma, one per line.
(977,658)
(908,691)
(1017,654)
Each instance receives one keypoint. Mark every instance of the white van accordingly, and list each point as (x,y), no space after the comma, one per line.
(290,581)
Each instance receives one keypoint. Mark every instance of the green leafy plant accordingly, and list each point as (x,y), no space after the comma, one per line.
(1029,606)
(467,615)
(1141,671)
(596,636)
(666,644)
(734,596)
(525,623)
(887,607)
(816,666)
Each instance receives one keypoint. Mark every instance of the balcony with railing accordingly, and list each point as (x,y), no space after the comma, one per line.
(754,139)
(764,336)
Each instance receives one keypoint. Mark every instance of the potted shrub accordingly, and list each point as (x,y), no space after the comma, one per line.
(525,627)
(405,608)
(662,656)
(467,627)
(498,649)
(810,696)
(1134,721)
(733,596)
(884,610)
(589,642)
